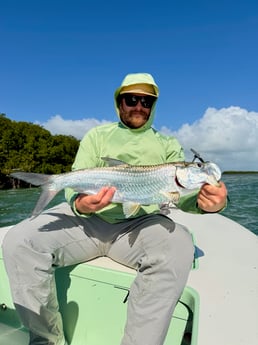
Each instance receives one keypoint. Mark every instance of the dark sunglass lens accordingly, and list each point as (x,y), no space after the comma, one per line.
(130,100)
(147,101)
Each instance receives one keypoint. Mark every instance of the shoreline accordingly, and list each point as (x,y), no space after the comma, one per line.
(229,172)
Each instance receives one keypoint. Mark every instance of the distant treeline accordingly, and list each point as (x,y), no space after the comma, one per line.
(29,147)
(239,172)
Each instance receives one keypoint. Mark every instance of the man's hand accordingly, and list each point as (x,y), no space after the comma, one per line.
(91,203)
(212,198)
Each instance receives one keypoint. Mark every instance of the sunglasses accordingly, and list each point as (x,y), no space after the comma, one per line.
(132,100)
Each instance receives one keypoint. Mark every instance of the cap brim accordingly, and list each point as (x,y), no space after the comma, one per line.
(138,91)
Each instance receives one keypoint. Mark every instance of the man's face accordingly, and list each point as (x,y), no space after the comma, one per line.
(135,109)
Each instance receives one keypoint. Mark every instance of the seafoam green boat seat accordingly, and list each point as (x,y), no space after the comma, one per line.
(92,298)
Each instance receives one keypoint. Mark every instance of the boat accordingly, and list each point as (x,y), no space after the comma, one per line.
(219,305)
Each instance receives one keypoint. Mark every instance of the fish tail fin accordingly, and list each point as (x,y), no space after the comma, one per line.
(43,180)
(44,199)
(33,178)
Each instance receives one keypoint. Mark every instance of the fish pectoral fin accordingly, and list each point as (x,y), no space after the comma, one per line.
(112,162)
(171,196)
(130,208)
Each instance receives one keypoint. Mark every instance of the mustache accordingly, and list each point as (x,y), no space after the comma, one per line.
(136,112)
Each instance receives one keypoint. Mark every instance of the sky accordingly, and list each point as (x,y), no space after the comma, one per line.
(61,61)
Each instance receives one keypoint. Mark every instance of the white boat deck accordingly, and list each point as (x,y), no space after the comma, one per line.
(226,278)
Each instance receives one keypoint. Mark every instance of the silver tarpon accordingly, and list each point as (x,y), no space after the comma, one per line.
(135,185)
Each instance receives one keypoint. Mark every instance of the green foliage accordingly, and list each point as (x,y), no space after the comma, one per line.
(29,147)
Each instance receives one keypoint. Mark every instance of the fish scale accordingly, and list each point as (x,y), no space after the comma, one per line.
(130,184)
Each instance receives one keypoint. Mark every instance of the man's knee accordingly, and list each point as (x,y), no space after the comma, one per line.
(11,242)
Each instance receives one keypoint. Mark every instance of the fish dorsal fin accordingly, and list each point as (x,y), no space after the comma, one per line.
(130,208)
(112,162)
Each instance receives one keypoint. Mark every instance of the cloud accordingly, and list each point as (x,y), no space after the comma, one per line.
(77,128)
(227,136)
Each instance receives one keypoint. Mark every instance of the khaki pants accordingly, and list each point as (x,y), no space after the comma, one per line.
(160,250)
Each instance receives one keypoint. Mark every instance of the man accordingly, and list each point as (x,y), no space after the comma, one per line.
(88,226)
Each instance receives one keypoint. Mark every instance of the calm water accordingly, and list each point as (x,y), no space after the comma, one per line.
(243,194)
(16,205)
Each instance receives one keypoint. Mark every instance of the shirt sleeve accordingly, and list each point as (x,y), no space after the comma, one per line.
(87,157)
